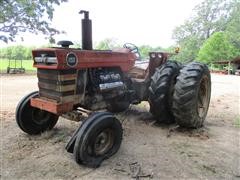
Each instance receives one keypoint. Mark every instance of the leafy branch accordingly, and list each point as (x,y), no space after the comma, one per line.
(26,16)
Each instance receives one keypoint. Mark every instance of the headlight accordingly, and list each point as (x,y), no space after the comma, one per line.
(45,59)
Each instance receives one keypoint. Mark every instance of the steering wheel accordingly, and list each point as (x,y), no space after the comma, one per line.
(133,48)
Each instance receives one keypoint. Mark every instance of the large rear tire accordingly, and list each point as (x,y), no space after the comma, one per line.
(192,95)
(161,91)
(32,120)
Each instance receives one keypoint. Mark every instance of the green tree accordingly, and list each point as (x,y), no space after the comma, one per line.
(188,49)
(208,17)
(144,50)
(27,53)
(24,15)
(233,28)
(16,52)
(218,47)
(108,43)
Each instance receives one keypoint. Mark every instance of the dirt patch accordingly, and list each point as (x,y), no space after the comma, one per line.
(148,150)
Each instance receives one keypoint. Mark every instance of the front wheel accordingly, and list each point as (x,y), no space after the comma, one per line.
(98,138)
(192,95)
(32,120)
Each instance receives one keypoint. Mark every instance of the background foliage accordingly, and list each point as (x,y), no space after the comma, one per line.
(26,15)
(197,37)
(211,34)
(16,52)
(217,48)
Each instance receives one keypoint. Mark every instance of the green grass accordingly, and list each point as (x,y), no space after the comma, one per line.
(27,64)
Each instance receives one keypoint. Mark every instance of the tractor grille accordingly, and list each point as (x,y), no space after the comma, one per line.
(57,85)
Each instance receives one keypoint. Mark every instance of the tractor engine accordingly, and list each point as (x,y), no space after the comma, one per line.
(104,84)
(106,79)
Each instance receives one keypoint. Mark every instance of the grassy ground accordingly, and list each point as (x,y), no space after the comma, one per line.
(27,64)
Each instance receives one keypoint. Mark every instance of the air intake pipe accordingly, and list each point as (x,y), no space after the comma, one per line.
(86,31)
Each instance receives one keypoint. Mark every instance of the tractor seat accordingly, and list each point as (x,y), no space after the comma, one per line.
(140,70)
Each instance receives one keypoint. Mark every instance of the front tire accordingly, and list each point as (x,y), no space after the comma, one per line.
(161,91)
(99,138)
(32,120)
(192,95)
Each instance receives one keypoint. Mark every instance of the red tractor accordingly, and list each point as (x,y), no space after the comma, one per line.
(76,83)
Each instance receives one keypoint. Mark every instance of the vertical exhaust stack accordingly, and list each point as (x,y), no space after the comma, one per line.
(86,31)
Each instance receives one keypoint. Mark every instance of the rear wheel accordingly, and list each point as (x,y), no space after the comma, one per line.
(98,138)
(33,120)
(161,91)
(192,95)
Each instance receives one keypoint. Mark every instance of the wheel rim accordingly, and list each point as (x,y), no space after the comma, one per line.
(103,142)
(203,97)
(40,116)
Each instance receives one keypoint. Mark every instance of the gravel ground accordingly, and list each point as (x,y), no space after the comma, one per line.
(148,150)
